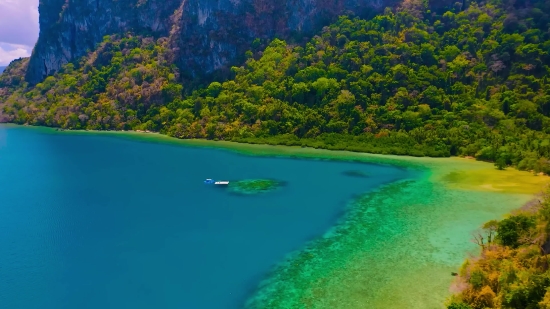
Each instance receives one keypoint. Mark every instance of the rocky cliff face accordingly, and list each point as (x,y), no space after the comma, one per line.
(71,28)
(205,35)
(214,32)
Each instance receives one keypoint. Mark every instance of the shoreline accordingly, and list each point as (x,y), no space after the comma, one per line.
(219,143)
(432,217)
(481,175)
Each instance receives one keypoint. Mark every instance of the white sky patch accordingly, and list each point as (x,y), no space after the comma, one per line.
(18,29)
(9,52)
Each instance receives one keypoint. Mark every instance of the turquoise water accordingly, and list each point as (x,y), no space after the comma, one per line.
(103,222)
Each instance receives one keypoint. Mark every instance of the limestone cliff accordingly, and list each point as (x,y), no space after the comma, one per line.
(71,28)
(206,35)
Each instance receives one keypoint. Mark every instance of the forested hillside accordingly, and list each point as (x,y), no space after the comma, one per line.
(471,81)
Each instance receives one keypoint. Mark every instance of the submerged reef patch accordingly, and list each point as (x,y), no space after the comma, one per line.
(254,186)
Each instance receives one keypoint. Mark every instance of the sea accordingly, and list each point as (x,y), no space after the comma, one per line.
(100,221)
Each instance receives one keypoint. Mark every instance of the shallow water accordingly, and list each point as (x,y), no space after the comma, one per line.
(103,222)
(396,249)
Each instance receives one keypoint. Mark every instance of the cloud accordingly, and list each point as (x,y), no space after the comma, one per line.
(19,22)
(8,52)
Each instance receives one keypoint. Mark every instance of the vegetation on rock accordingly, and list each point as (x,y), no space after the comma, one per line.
(512,271)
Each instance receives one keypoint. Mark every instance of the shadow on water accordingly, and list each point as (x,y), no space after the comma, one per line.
(357,174)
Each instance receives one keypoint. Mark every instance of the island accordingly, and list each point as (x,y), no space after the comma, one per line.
(418,84)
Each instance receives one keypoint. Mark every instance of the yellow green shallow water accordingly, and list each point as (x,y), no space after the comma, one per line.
(396,247)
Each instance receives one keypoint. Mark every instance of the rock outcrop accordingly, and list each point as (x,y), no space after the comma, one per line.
(207,35)
(71,28)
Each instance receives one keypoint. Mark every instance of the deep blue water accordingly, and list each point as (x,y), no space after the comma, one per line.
(104,222)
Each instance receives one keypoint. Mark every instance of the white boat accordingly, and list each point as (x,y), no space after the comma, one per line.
(221,183)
